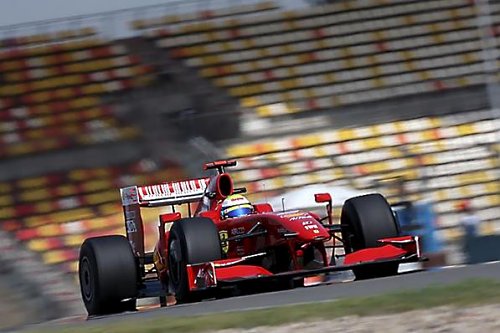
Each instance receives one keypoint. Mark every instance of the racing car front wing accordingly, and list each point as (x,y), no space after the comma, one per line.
(233,271)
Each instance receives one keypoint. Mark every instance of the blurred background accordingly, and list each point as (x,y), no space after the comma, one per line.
(348,97)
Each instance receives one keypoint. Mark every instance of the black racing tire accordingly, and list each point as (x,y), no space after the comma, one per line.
(191,241)
(366,219)
(108,275)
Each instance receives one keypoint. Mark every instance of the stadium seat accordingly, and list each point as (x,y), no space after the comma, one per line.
(52,94)
(204,16)
(57,92)
(54,213)
(318,60)
(60,36)
(423,151)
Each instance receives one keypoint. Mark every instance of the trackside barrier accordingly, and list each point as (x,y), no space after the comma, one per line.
(419,219)
(482,249)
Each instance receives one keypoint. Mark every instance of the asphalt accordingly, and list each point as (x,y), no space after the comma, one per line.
(321,293)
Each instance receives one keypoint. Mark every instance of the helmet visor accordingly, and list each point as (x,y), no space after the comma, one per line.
(238,211)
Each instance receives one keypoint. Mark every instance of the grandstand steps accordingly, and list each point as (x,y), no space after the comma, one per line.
(169,70)
(161,107)
(182,94)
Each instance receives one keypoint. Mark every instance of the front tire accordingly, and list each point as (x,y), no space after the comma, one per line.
(191,241)
(365,220)
(108,275)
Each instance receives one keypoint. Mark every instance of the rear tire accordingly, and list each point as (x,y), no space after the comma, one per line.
(108,275)
(367,219)
(191,241)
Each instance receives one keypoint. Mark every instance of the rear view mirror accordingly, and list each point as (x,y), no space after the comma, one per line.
(169,217)
(325,197)
(210,214)
(322,197)
(263,208)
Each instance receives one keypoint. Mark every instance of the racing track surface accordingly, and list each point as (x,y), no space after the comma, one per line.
(328,292)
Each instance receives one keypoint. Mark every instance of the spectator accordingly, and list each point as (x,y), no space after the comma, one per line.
(470,227)
(469,221)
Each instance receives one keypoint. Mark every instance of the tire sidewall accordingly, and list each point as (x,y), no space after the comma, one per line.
(87,265)
(112,271)
(368,218)
(179,282)
(198,242)
(365,220)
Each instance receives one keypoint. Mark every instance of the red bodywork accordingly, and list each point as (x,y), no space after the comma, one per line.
(263,245)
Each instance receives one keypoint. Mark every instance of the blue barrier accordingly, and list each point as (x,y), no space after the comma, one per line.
(419,219)
(482,249)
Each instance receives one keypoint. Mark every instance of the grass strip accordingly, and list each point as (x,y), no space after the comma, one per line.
(467,293)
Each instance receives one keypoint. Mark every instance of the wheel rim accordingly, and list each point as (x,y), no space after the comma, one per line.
(87,280)
(175,260)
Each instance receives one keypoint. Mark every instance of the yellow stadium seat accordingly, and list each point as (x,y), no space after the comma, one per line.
(6,200)
(308,140)
(97,184)
(72,215)
(110,208)
(493,187)
(240,150)
(5,188)
(38,245)
(67,190)
(7,212)
(32,182)
(49,230)
(34,194)
(102,197)
(487,228)
(249,102)
(53,257)
(74,240)
(43,207)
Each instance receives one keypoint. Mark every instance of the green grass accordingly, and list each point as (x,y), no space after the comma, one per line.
(468,293)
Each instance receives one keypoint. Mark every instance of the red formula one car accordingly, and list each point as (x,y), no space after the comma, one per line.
(226,243)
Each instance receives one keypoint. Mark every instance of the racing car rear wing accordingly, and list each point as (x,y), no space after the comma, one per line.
(171,193)
(219,165)
(166,194)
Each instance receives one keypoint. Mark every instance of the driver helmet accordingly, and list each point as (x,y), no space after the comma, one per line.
(235,205)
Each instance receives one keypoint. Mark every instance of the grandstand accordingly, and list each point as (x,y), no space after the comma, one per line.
(52,94)
(342,53)
(443,159)
(65,145)
(350,93)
